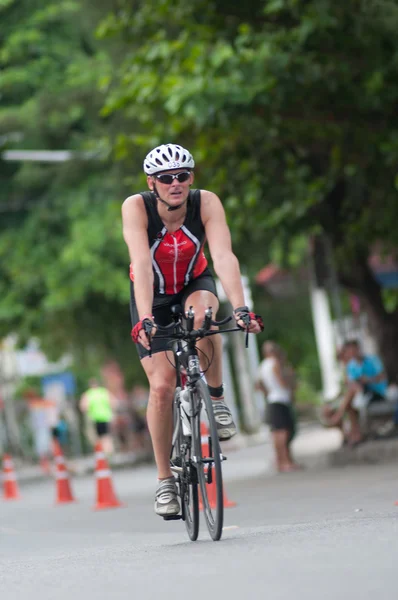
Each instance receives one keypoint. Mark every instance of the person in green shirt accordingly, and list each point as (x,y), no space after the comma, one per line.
(98,404)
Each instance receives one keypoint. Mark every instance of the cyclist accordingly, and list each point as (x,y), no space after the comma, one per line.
(165,229)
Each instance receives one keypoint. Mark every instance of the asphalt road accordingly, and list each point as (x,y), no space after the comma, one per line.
(311,535)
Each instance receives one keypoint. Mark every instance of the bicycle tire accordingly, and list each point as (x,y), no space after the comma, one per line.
(187,479)
(209,473)
(190,501)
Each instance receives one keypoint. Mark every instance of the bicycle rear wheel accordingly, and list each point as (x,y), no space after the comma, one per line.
(187,478)
(209,461)
(190,497)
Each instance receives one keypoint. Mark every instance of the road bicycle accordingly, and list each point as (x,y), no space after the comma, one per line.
(196,457)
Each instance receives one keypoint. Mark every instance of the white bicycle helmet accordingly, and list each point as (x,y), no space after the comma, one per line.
(167,156)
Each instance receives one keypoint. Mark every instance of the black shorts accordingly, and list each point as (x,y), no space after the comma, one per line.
(280,416)
(372,396)
(102,428)
(55,433)
(162,304)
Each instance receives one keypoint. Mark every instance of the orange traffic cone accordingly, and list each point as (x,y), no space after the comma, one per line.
(63,488)
(106,497)
(10,487)
(211,487)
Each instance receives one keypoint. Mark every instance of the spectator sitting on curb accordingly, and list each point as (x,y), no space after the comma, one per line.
(366,382)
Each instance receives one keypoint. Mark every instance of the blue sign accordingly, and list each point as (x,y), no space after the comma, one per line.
(387,279)
(66,379)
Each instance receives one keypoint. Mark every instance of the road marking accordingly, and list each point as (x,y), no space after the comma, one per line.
(230,527)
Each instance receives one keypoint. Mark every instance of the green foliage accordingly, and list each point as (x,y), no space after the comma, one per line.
(278,107)
(63,264)
(289,107)
(306,393)
(28,384)
(288,322)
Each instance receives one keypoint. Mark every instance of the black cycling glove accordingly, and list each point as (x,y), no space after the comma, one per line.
(244,314)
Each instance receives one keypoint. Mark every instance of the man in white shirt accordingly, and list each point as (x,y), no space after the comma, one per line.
(272,380)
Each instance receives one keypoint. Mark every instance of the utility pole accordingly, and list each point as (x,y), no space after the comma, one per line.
(8,380)
(322,319)
(245,361)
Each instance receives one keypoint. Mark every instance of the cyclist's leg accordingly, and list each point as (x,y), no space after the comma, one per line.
(200,300)
(161,376)
(162,379)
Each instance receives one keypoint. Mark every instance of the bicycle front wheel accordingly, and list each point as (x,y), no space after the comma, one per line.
(209,458)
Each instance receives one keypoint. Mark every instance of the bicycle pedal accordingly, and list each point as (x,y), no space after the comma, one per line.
(172,517)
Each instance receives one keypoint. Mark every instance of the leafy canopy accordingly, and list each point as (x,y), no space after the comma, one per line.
(289,107)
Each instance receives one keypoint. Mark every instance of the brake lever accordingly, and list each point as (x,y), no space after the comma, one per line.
(190,316)
(148,325)
(246,320)
(207,320)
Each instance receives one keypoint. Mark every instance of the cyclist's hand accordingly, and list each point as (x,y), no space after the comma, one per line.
(248,321)
(143,332)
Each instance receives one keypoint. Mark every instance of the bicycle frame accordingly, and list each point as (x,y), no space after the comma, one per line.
(187,362)
(195,470)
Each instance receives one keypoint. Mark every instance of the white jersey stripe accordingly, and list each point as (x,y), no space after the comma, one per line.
(155,264)
(193,259)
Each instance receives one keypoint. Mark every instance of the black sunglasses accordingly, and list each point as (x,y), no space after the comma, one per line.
(168,178)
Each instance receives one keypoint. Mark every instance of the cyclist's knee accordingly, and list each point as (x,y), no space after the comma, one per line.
(200,315)
(161,391)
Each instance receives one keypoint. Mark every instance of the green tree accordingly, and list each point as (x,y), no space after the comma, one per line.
(63,265)
(290,109)
(288,105)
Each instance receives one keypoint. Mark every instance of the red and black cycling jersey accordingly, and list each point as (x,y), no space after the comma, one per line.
(177,257)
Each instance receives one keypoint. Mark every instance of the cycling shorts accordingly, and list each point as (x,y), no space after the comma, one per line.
(163,303)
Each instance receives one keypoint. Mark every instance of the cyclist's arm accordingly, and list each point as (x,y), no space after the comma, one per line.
(218,236)
(135,224)
(225,263)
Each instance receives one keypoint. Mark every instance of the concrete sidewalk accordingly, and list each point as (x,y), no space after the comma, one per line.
(313,447)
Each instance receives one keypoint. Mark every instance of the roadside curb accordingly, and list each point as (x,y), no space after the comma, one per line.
(26,476)
(314,448)
(370,452)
